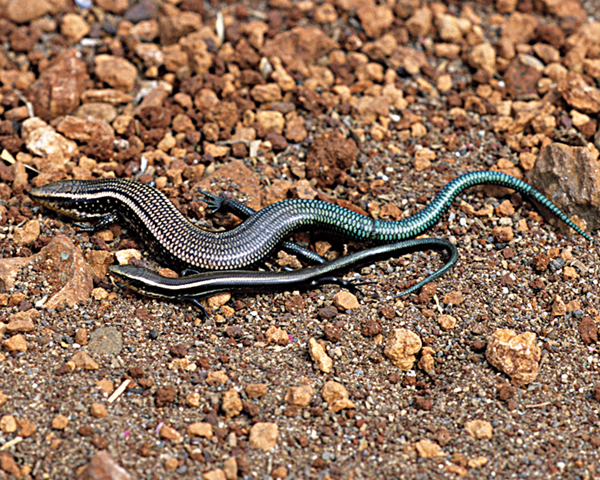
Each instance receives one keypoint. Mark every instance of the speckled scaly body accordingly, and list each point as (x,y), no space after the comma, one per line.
(180,244)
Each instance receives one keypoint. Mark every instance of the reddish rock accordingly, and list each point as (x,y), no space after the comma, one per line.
(86,129)
(299,396)
(520,28)
(588,330)
(200,429)
(453,298)
(99,260)
(330,155)
(596,393)
(299,45)
(370,328)
(277,336)
(295,131)
(83,360)
(173,27)
(23,39)
(337,396)
(579,94)
(98,410)
(332,332)
(540,262)
(318,355)
(74,27)
(479,429)
(116,72)
(22,321)
(506,392)
(263,436)
(294,304)
(26,235)
(422,403)
(551,34)
(428,449)
(277,191)
(20,11)
(68,276)
(503,234)
(9,269)
(369,108)
(59,87)
(103,467)
(9,464)
(569,177)
(16,343)
(113,6)
(442,436)
(26,428)
(165,396)
(278,142)
(375,19)
(256,390)
(522,76)
(66,270)
(344,301)
(420,23)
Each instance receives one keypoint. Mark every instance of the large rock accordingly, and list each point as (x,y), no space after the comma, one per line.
(330,155)
(301,44)
(516,355)
(59,87)
(68,276)
(570,177)
(22,11)
(52,150)
(103,467)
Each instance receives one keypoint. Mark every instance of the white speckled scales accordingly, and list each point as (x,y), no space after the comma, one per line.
(180,244)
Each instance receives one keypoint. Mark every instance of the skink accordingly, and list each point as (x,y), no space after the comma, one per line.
(179,244)
(221,203)
(206,284)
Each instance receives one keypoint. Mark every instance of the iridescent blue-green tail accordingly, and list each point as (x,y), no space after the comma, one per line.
(385,231)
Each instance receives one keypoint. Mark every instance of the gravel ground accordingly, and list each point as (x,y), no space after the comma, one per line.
(202,396)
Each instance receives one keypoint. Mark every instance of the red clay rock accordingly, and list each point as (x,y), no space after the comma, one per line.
(23,12)
(569,177)
(329,156)
(375,19)
(300,44)
(65,270)
(113,6)
(173,27)
(522,76)
(579,94)
(59,87)
(520,28)
(9,465)
(588,330)
(116,72)
(103,467)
